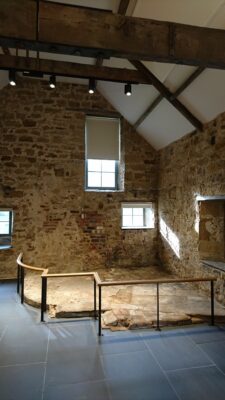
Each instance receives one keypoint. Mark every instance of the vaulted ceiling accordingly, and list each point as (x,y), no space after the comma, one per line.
(200,90)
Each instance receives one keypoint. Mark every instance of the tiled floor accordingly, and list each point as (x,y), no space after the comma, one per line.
(67,360)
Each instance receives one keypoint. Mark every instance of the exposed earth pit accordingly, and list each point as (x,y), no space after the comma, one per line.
(124,307)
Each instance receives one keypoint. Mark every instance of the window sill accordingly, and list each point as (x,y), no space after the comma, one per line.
(5,247)
(136,227)
(104,190)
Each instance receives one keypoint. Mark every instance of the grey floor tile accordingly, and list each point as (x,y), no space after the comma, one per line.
(133,365)
(75,337)
(13,312)
(198,383)
(216,351)
(81,391)
(3,327)
(121,344)
(74,366)
(21,382)
(141,389)
(205,334)
(174,351)
(136,376)
(23,344)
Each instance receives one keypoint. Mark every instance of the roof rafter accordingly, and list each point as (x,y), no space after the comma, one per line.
(174,95)
(165,92)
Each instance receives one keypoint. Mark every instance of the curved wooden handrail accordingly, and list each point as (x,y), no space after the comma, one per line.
(155,281)
(21,264)
(98,280)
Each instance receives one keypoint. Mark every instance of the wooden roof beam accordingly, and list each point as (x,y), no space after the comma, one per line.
(112,35)
(75,70)
(167,94)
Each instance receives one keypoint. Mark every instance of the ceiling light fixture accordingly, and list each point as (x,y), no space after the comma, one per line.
(127,89)
(91,88)
(52,82)
(12,77)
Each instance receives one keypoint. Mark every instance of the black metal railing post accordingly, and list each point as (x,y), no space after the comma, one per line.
(43,297)
(157,302)
(95,312)
(212,303)
(100,310)
(22,284)
(18,278)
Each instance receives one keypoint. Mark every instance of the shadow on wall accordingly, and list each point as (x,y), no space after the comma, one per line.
(170,237)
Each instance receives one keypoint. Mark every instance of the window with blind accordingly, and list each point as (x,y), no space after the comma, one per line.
(102,137)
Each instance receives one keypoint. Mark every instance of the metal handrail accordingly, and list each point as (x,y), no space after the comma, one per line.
(157,282)
(98,282)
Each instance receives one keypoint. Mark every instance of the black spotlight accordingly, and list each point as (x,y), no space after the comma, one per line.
(127,89)
(52,82)
(12,77)
(91,88)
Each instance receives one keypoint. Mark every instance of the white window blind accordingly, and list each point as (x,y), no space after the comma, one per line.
(102,138)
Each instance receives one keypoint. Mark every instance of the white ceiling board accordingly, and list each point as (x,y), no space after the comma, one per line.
(4,79)
(178,75)
(194,12)
(131,107)
(206,95)
(164,125)
(161,70)
(118,63)
(218,20)
(68,58)
(102,4)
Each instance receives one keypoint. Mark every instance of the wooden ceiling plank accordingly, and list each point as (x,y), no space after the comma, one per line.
(174,95)
(76,70)
(167,94)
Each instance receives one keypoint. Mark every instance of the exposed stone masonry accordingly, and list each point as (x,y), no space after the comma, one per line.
(65,228)
(193,166)
(42,150)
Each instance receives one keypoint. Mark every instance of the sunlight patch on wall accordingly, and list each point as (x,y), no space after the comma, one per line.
(197,215)
(170,237)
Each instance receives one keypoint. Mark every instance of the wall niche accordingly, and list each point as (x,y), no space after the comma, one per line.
(211,230)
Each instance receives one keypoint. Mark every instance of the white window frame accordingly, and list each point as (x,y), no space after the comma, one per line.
(100,188)
(148,215)
(7,236)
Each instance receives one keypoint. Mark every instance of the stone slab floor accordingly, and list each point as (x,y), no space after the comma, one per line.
(125,307)
(67,360)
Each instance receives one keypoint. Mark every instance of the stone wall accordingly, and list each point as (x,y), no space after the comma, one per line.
(191,167)
(42,150)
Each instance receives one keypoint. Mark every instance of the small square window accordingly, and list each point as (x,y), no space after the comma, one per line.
(6,226)
(137,216)
(101,174)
